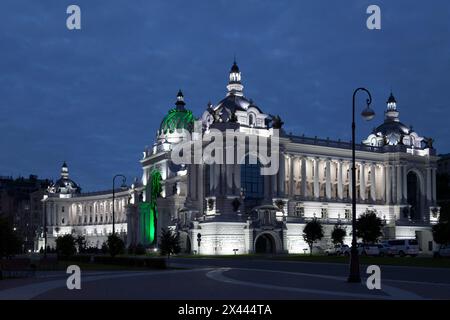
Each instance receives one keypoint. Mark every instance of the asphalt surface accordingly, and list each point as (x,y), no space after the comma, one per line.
(204,279)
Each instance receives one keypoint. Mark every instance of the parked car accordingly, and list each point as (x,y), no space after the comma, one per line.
(338,249)
(385,249)
(403,247)
(443,251)
(368,249)
(317,250)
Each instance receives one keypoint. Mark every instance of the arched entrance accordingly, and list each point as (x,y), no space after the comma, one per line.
(265,244)
(414,195)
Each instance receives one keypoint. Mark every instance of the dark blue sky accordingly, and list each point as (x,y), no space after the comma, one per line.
(95,97)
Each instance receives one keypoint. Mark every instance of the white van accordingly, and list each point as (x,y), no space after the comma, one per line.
(403,247)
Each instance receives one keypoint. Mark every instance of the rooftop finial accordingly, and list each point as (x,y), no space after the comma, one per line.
(64,170)
(180,100)
(234,84)
(391,103)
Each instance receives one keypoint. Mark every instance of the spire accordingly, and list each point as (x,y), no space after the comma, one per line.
(391,103)
(64,171)
(180,101)
(234,83)
(391,113)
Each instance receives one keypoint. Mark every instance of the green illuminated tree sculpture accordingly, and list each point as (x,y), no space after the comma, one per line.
(149,209)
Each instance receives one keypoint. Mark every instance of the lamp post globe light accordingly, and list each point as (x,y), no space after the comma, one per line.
(367,114)
(122,186)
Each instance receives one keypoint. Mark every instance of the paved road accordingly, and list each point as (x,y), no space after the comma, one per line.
(235,279)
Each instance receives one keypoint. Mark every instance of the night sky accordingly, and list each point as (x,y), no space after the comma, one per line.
(95,97)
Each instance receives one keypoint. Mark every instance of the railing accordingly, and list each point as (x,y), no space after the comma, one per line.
(348,145)
(343,200)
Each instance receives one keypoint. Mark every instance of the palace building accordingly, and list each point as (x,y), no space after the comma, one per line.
(227,208)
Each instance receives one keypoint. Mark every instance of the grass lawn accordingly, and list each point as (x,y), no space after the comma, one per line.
(394,261)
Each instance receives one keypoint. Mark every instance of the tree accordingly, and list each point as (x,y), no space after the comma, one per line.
(169,243)
(338,234)
(368,227)
(10,243)
(66,246)
(312,232)
(441,233)
(115,245)
(81,244)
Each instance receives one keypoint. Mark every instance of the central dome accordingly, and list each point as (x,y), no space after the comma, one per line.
(233,102)
(389,127)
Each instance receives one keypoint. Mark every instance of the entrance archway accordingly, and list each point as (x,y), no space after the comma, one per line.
(265,244)
(414,195)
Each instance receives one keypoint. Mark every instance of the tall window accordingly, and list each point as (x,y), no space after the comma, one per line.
(251,119)
(252,181)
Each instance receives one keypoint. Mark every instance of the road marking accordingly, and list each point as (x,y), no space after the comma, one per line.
(392,292)
(30,291)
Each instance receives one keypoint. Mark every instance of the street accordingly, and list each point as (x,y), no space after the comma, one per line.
(203,279)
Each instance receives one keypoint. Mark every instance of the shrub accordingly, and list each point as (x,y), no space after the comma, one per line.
(140,249)
(338,234)
(312,232)
(65,246)
(368,227)
(169,243)
(10,243)
(115,245)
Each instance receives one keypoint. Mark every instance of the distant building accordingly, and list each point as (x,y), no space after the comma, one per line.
(20,203)
(443,164)
(89,214)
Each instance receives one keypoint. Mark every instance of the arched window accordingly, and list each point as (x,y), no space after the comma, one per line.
(251,119)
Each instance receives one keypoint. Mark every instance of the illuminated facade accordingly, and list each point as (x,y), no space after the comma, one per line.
(69,211)
(232,208)
(237,210)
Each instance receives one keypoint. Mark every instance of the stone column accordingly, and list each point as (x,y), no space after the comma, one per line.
(291,175)
(429,191)
(201,186)
(304,177)
(388,184)
(328,179)
(350,181)
(362,181)
(339,184)
(229,174)
(316,178)
(382,183)
(373,194)
(267,194)
(282,175)
(433,185)
(399,184)
(405,183)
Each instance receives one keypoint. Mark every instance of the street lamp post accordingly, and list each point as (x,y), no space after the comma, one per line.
(124,179)
(367,114)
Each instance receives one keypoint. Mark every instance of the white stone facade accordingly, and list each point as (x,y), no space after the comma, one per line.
(396,180)
(237,211)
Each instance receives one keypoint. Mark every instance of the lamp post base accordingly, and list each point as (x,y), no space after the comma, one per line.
(355,276)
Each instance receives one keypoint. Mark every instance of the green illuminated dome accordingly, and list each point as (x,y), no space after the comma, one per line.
(177,118)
